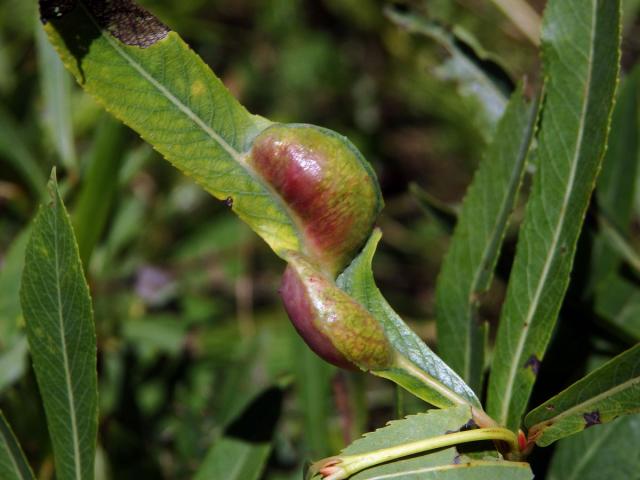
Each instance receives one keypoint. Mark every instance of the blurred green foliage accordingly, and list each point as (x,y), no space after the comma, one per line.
(191,333)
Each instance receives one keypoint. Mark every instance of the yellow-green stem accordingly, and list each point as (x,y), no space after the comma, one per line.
(343,467)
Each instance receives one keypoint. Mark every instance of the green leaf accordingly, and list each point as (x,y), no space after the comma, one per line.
(99,185)
(423,373)
(314,396)
(162,89)
(57,310)
(145,75)
(615,191)
(234,459)
(467,269)
(55,84)
(476,72)
(609,451)
(604,394)
(152,81)
(13,465)
(411,429)
(448,461)
(580,45)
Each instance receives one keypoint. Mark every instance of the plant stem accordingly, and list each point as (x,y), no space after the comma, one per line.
(339,468)
(523,16)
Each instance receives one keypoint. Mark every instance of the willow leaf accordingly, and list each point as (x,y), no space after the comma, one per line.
(580,43)
(13,465)
(62,341)
(468,267)
(144,74)
(606,393)
(421,372)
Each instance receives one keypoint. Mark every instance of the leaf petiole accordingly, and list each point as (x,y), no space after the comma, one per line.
(341,467)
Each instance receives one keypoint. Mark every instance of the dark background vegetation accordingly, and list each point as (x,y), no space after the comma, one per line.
(193,341)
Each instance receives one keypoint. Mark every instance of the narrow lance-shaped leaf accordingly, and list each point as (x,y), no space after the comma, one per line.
(415,367)
(99,185)
(616,187)
(13,465)
(468,267)
(606,393)
(274,176)
(580,43)
(59,321)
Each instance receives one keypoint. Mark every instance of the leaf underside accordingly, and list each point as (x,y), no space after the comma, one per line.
(580,44)
(357,280)
(62,342)
(468,267)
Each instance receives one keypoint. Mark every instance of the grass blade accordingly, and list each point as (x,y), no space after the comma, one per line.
(99,186)
(13,465)
(468,267)
(581,52)
(606,393)
(55,83)
(59,321)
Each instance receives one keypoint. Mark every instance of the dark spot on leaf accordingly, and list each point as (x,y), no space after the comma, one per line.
(128,22)
(123,19)
(457,459)
(533,363)
(470,425)
(228,202)
(591,418)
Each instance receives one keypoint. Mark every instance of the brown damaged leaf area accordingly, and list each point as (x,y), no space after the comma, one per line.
(123,19)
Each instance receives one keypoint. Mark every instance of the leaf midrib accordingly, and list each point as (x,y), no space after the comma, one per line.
(559,228)
(65,356)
